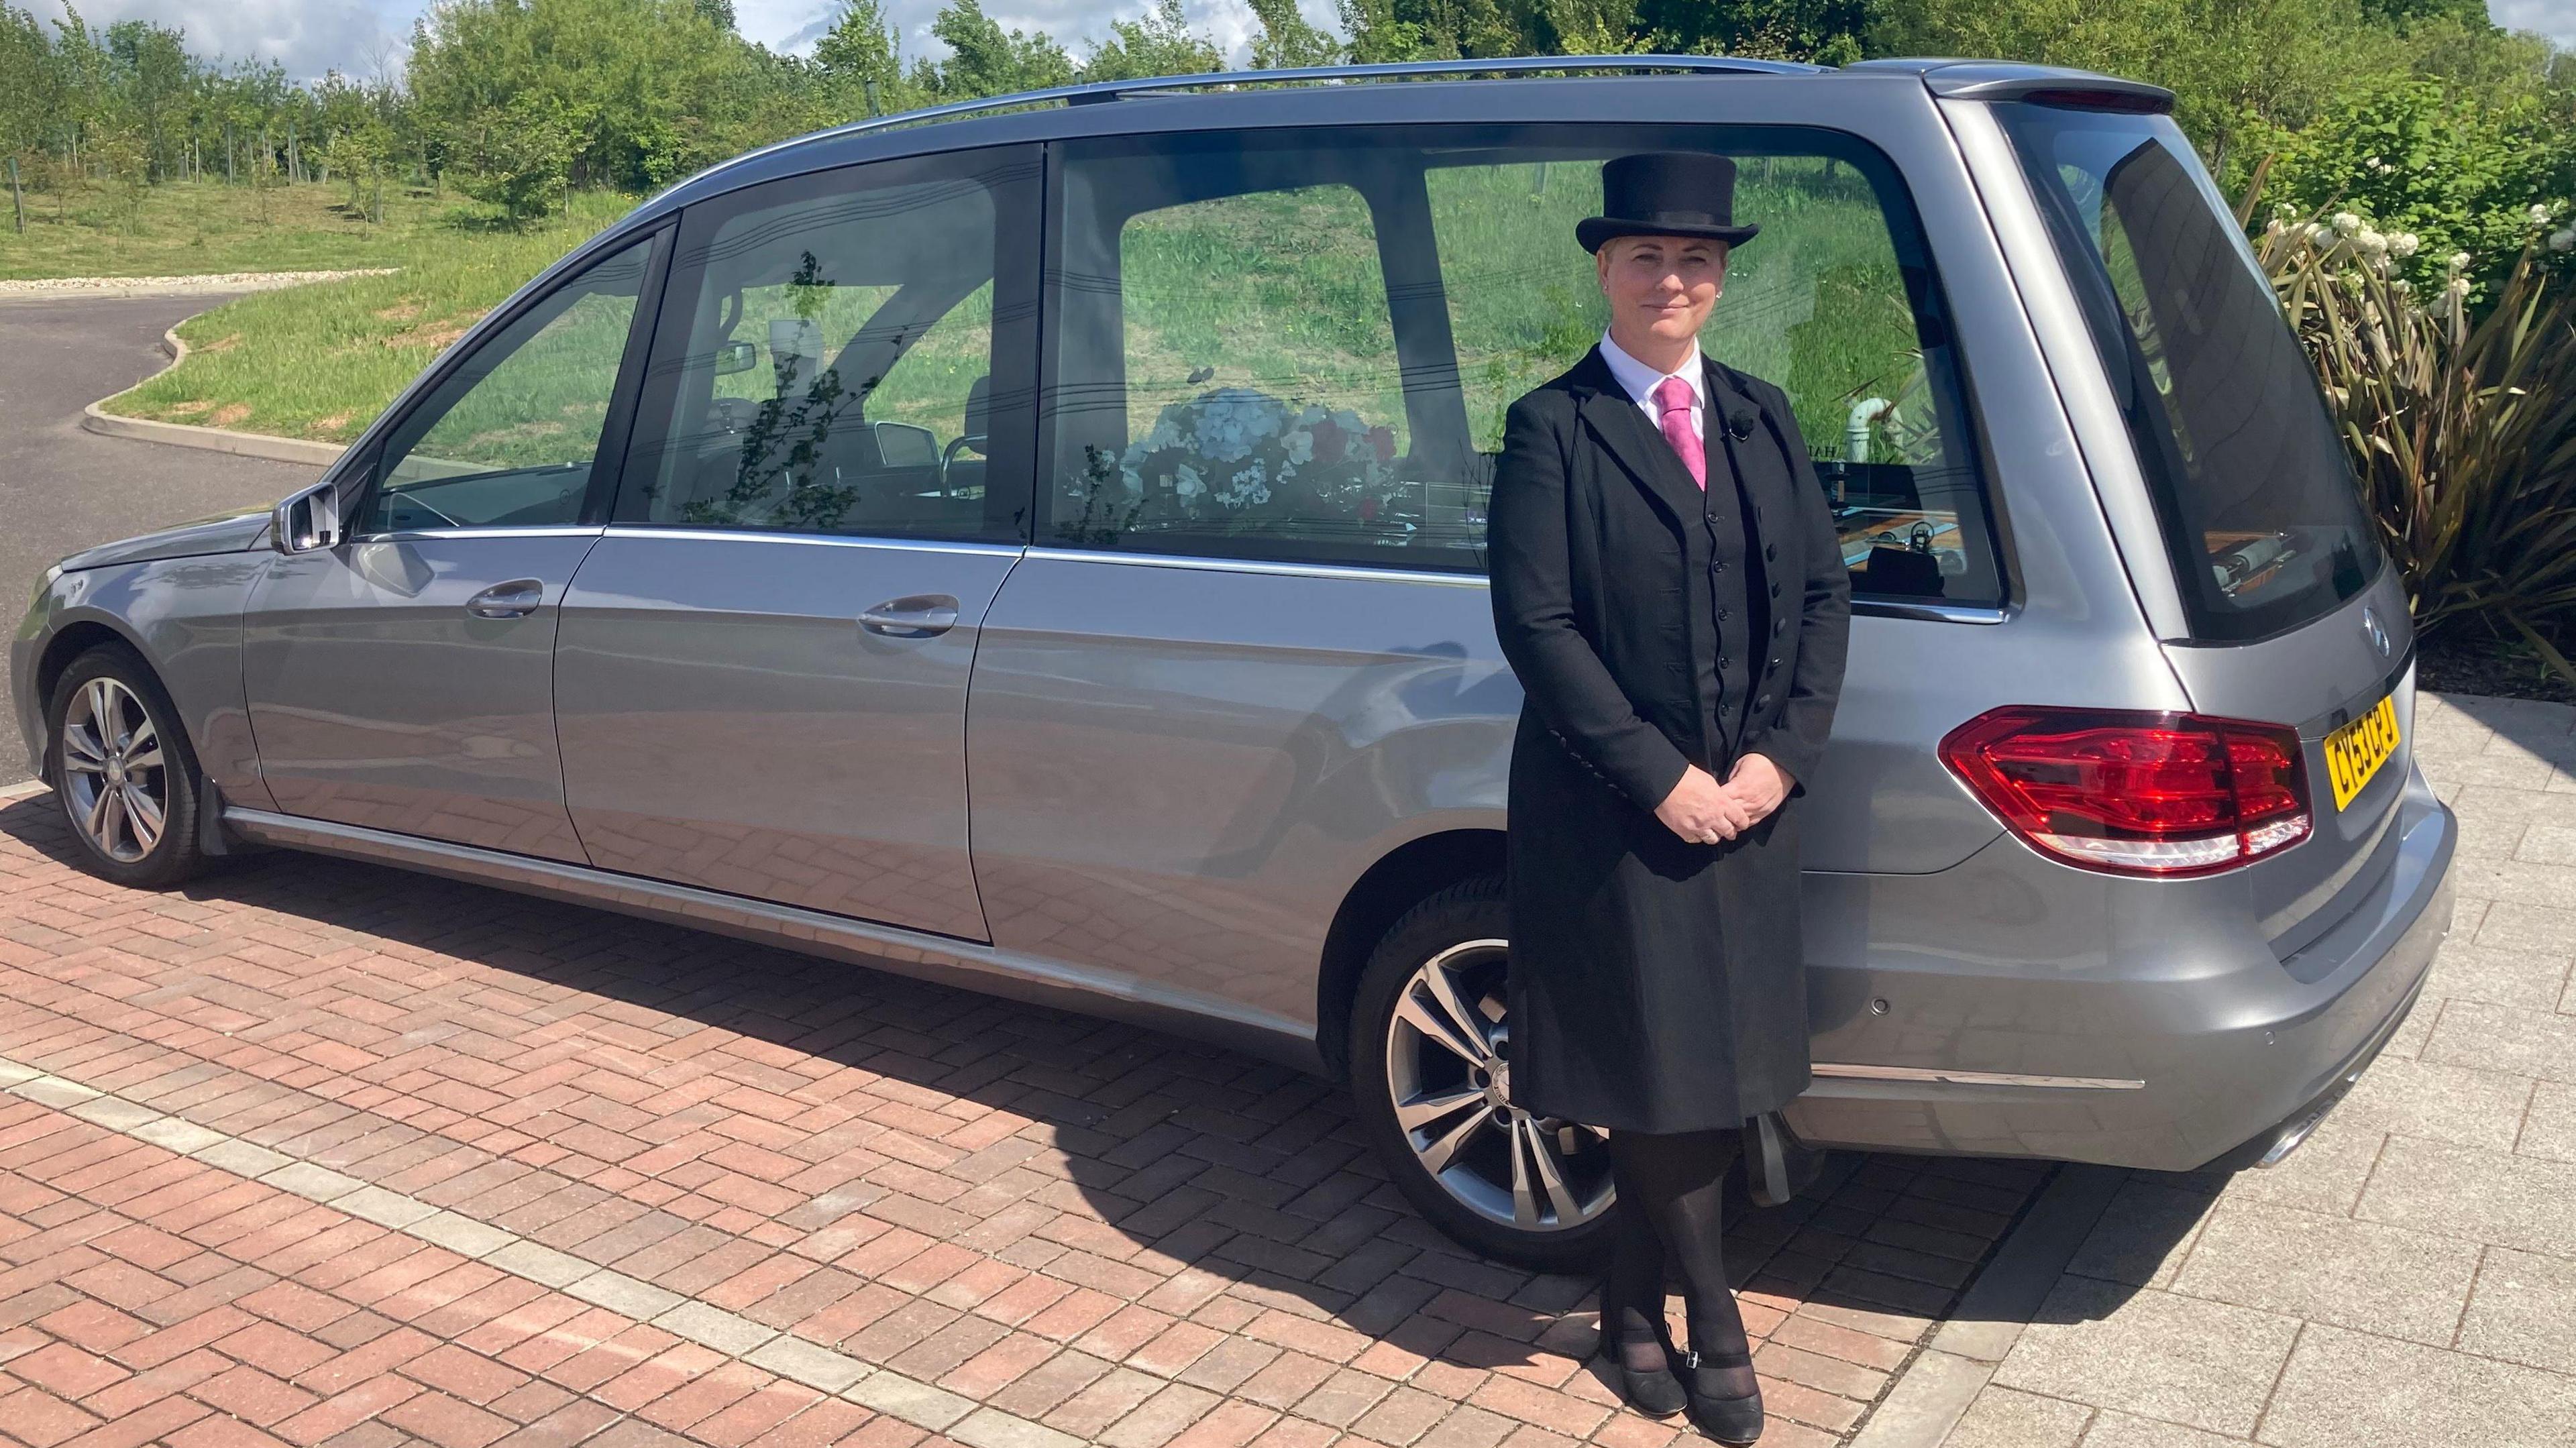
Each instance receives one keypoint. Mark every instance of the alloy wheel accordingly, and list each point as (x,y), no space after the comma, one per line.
(1451,1085)
(114,772)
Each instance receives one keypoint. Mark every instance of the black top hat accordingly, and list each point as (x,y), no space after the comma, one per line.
(1665,193)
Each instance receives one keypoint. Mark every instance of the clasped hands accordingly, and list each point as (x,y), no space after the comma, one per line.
(1704,812)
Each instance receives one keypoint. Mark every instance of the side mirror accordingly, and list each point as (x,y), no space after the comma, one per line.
(735,357)
(903,445)
(308,521)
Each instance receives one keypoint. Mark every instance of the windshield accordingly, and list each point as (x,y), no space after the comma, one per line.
(2253,489)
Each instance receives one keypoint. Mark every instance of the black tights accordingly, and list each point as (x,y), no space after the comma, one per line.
(1670,1208)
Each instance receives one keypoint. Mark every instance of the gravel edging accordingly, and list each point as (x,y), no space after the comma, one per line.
(55,288)
(96,418)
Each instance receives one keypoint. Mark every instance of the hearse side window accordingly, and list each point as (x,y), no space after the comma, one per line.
(847,353)
(1232,377)
(508,438)
(1300,345)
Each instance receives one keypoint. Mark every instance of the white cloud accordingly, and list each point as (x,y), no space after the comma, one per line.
(307,37)
(2553,18)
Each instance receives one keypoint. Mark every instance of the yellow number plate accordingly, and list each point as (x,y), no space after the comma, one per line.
(2355,752)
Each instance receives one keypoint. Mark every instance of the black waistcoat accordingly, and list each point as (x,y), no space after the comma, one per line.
(1726,670)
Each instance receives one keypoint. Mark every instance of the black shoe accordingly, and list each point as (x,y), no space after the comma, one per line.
(1655,1392)
(1730,1420)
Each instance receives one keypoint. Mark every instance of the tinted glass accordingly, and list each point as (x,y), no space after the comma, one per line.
(836,351)
(2255,494)
(1301,346)
(507,440)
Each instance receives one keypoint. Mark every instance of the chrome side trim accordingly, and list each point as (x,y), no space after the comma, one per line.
(810,540)
(1927,611)
(1931,612)
(433,535)
(924,956)
(1850,1072)
(1255,565)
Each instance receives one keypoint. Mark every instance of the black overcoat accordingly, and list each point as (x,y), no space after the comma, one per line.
(1656,985)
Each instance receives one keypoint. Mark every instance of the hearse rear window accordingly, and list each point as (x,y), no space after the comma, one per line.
(2256,497)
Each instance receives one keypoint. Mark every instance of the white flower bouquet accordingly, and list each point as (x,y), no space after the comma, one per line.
(1242,459)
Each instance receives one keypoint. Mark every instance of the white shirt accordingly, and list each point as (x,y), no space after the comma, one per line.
(1641,381)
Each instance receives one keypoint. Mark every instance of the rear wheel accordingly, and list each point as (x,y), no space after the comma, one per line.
(123,770)
(1428,1031)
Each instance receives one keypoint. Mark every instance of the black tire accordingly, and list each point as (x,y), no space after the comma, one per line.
(115,676)
(1461,929)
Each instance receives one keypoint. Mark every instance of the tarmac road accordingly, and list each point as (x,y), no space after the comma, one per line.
(62,489)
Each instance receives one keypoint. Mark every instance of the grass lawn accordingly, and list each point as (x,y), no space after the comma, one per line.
(191,228)
(320,362)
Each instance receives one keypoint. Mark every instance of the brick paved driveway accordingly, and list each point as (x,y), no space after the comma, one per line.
(316,1152)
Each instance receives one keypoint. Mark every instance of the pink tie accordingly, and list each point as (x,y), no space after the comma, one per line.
(1673,400)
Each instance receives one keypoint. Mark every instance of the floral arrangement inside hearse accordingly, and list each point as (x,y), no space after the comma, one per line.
(1244,461)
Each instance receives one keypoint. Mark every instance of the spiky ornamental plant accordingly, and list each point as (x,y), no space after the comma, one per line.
(2462,428)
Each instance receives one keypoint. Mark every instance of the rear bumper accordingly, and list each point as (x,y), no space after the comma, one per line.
(2207,1058)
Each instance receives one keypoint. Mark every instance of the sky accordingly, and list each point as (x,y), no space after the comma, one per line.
(366,37)
(360,37)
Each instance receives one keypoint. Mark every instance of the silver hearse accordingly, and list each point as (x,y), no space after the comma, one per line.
(1041,551)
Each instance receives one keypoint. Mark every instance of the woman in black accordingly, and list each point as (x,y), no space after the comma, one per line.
(1668,586)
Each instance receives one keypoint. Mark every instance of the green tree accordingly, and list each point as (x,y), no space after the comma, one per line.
(153,77)
(1287,40)
(861,53)
(2232,64)
(126,164)
(28,84)
(84,78)
(1831,31)
(1379,35)
(1158,43)
(2399,13)
(656,87)
(986,60)
(522,156)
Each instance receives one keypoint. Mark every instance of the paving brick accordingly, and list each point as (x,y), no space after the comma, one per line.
(66,1371)
(40,1418)
(247,1393)
(448,1422)
(1129,1240)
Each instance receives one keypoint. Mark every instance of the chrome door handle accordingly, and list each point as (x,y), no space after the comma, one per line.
(914,616)
(515,599)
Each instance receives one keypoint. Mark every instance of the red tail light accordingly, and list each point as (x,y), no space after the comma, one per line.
(2136,793)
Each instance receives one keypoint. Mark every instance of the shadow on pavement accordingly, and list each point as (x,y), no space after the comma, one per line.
(1204,1158)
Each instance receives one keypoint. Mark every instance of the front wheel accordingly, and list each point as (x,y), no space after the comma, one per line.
(123,770)
(1428,1030)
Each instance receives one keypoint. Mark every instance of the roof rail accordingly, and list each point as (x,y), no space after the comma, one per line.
(1091,92)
